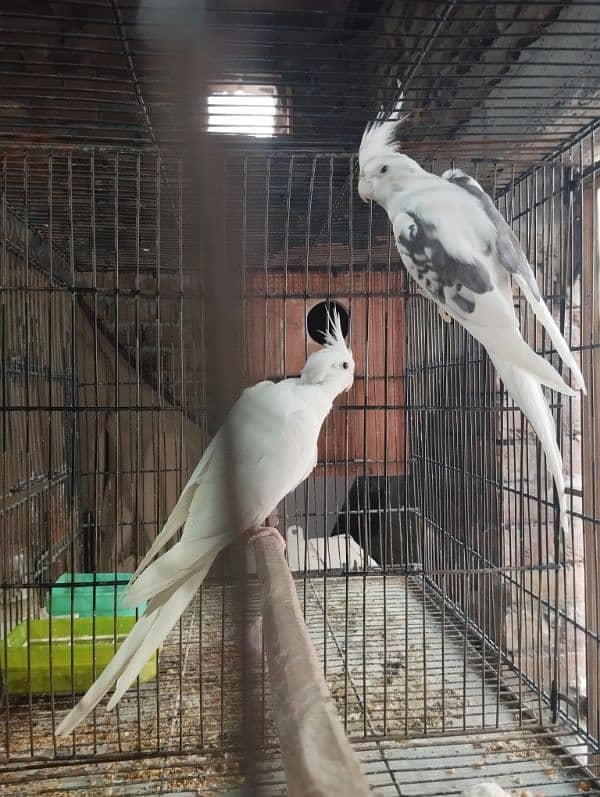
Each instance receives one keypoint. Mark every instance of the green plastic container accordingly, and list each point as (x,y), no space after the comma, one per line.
(83,597)
(17,673)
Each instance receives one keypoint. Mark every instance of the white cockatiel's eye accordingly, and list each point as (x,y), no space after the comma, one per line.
(383,170)
(345,366)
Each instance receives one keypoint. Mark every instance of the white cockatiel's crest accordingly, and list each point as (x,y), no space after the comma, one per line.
(331,366)
(334,335)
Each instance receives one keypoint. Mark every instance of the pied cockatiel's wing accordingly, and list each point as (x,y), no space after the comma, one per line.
(508,250)
(271,435)
(511,257)
(450,245)
(458,252)
(452,270)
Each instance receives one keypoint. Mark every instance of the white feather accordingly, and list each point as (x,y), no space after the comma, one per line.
(170,607)
(485,790)
(147,635)
(500,334)
(545,318)
(529,397)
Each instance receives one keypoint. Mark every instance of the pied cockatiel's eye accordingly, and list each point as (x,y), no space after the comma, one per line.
(383,170)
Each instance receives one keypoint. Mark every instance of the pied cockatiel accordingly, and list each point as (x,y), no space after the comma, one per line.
(463,255)
(266,448)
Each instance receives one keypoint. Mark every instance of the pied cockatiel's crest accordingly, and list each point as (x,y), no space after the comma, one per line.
(381,135)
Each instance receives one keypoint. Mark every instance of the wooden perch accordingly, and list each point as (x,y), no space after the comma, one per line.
(317,756)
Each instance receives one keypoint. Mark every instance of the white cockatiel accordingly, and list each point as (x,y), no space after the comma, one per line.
(269,441)
(463,255)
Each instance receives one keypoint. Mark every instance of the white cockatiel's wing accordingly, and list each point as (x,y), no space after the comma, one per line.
(180,511)
(264,450)
(272,437)
(511,257)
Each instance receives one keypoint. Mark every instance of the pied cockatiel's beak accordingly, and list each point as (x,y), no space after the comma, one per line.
(365,189)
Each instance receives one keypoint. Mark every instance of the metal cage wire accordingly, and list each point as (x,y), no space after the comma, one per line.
(464,540)
(458,629)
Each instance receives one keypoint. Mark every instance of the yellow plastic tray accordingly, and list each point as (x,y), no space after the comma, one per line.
(63,656)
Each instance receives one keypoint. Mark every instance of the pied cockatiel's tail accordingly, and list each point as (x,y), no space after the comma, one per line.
(267,447)
(462,253)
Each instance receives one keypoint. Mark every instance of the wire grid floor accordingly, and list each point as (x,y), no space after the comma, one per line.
(409,671)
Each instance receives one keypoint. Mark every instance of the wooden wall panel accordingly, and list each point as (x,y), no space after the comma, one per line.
(366,427)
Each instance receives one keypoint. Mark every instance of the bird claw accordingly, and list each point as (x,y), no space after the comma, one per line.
(254,532)
(273,519)
(446,318)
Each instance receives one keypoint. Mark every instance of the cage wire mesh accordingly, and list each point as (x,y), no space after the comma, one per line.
(457,628)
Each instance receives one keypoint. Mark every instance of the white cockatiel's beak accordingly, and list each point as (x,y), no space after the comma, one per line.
(365,189)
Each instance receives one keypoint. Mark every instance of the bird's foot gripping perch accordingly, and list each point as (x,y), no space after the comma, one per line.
(255,532)
(270,530)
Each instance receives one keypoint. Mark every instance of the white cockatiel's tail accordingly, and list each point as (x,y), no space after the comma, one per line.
(267,447)
(463,255)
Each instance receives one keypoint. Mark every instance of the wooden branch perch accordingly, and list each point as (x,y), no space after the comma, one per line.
(317,756)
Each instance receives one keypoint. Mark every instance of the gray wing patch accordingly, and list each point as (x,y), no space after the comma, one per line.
(508,249)
(437,269)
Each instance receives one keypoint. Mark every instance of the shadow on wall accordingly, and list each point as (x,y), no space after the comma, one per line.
(374,514)
(134,462)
